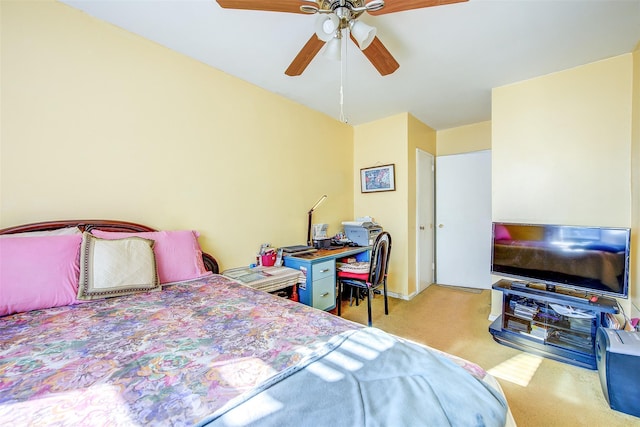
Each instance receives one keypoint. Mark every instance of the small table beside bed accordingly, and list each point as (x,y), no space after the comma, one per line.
(196,348)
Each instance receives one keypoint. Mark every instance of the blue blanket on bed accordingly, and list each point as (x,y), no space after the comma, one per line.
(369,378)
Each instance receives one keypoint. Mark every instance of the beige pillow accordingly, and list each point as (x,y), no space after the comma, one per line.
(110,268)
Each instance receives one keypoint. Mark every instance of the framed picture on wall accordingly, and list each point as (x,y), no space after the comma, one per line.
(378,178)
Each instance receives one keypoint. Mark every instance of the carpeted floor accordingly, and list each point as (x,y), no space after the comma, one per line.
(540,392)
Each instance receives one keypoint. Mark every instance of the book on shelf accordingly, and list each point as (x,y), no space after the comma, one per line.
(580,325)
(526,311)
(539,331)
(517,325)
(610,321)
(575,340)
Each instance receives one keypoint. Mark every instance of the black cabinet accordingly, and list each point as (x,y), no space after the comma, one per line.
(550,324)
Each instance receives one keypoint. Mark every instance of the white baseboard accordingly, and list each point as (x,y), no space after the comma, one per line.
(400,296)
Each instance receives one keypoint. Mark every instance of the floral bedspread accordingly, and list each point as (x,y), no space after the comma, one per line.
(162,358)
(170,357)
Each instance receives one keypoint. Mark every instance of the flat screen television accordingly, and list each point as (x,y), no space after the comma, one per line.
(593,260)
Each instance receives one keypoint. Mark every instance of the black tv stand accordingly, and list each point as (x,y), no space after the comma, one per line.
(553,323)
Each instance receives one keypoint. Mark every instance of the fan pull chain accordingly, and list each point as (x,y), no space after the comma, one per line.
(342,118)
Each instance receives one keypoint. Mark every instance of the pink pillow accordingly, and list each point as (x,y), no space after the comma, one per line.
(178,253)
(502,233)
(38,272)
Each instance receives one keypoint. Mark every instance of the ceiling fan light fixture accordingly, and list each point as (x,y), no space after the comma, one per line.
(333,49)
(363,33)
(326,26)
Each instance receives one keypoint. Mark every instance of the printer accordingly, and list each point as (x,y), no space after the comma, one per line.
(618,360)
(362,232)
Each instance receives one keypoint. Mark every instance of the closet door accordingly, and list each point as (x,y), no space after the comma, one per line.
(463,218)
(425,217)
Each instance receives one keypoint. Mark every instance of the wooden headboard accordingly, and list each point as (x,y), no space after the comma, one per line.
(210,262)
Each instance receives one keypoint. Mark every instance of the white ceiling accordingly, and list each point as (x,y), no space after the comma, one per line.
(450,56)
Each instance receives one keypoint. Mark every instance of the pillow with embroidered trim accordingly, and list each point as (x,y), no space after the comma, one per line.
(110,268)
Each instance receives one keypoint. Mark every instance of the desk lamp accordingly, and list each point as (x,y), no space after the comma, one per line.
(309,242)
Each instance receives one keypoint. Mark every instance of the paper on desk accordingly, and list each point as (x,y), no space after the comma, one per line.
(359,223)
(274,271)
(234,274)
(251,277)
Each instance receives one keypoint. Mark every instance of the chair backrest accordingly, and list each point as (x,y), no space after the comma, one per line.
(379,263)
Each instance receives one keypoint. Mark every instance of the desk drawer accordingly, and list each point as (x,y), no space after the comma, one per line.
(323,269)
(324,293)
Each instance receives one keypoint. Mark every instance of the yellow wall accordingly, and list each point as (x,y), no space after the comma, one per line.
(561,147)
(100,123)
(393,140)
(464,139)
(380,143)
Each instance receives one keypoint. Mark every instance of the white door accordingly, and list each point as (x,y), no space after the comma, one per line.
(463,215)
(424,219)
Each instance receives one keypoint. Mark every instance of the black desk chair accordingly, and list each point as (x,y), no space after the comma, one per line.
(376,277)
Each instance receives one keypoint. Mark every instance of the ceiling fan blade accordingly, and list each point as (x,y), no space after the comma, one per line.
(380,57)
(391,6)
(291,6)
(304,57)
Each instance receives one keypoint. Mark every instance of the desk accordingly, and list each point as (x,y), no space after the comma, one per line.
(319,268)
(268,279)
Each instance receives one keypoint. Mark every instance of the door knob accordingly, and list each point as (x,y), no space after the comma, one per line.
(422,227)
(440,225)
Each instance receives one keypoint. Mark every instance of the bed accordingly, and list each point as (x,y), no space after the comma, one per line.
(204,350)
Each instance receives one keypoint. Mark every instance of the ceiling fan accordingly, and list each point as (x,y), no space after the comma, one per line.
(335,16)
